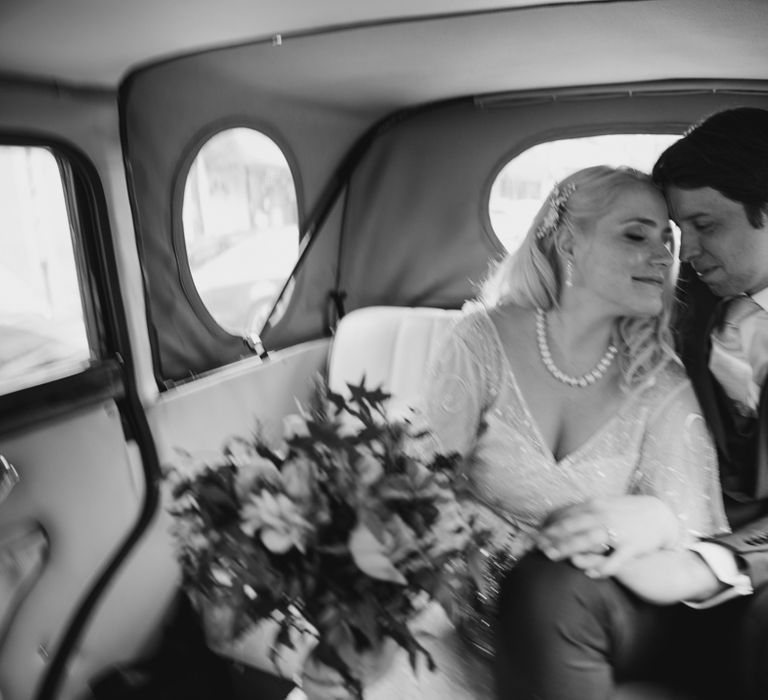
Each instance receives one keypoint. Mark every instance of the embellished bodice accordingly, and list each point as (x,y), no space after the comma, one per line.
(655,443)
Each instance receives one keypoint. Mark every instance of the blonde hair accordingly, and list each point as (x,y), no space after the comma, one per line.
(532,276)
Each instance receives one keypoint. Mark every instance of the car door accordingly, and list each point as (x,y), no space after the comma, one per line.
(75,449)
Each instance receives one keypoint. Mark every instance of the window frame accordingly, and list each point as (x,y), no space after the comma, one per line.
(188,286)
(105,326)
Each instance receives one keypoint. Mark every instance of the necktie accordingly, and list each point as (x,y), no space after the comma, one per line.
(739,357)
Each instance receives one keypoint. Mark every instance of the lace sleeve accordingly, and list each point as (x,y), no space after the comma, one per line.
(456,390)
(678,464)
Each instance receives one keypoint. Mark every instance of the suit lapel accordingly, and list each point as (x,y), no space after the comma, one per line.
(712,404)
(707,389)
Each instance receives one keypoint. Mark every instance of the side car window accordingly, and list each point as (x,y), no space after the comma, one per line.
(42,325)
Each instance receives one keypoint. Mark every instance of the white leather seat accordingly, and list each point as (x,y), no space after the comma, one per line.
(391,346)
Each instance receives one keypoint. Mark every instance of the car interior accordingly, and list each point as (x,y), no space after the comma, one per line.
(204,207)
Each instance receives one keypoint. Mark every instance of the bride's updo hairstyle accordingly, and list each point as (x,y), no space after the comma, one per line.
(534,275)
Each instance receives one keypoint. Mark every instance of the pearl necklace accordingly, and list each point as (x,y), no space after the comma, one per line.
(546,357)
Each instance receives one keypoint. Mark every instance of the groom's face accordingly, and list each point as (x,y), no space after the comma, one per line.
(725,250)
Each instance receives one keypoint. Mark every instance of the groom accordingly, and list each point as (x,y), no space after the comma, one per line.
(716,183)
(581,637)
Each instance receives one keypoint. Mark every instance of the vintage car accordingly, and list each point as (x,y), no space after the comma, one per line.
(194,195)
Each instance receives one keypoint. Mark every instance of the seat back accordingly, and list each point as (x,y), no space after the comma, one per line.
(391,346)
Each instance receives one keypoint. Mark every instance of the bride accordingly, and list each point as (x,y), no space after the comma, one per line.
(561,386)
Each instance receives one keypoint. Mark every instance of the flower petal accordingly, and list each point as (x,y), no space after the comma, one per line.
(294,426)
(277,542)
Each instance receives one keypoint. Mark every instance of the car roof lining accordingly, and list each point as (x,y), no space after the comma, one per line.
(543,47)
(98,42)
(402,54)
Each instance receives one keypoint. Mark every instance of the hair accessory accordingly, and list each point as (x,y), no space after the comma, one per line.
(546,358)
(557,200)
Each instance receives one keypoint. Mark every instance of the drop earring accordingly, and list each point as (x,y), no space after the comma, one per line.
(568,273)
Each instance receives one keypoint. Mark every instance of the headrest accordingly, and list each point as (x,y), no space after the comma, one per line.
(391,346)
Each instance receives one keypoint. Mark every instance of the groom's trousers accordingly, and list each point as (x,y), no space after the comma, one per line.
(564,636)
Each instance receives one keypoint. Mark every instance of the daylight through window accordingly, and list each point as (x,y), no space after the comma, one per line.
(240,227)
(522,184)
(41,314)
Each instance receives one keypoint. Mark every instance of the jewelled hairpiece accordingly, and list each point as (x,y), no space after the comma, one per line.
(556,202)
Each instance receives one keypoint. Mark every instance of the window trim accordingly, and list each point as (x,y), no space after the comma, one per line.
(61,396)
(103,375)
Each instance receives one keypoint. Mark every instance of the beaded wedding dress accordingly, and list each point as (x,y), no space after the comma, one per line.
(655,444)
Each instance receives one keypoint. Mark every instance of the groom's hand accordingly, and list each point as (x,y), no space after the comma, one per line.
(610,531)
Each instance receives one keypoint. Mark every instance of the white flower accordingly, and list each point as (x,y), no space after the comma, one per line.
(294,425)
(278,521)
(251,470)
(372,555)
(347,425)
(378,547)
(187,532)
(369,467)
(221,576)
(197,543)
(297,477)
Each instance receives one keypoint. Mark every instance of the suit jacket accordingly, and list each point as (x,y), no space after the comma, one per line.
(743,472)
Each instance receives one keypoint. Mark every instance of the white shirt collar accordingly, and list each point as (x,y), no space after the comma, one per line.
(761,298)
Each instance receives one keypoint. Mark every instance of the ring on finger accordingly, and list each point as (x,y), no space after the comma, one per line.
(610,540)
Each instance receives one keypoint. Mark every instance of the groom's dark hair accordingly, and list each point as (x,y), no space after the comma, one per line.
(728,152)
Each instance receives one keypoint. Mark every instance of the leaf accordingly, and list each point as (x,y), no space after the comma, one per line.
(326,652)
(357,392)
(329,618)
(378,396)
(369,555)
(367,397)
(367,622)
(404,637)
(339,635)
(336,399)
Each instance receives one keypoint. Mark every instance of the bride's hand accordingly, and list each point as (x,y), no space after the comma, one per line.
(618,529)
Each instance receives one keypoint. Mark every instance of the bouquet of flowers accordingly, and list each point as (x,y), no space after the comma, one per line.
(345,528)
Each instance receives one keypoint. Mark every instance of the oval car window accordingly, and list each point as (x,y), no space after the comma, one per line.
(522,184)
(240,226)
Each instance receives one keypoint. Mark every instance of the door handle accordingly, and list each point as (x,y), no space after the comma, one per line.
(9,477)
